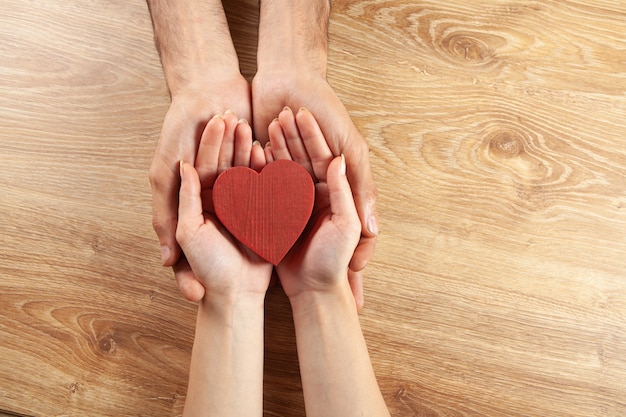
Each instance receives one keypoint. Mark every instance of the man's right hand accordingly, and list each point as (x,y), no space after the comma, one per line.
(180,136)
(202,72)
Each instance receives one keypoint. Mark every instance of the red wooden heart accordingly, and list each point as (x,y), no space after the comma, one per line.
(265,211)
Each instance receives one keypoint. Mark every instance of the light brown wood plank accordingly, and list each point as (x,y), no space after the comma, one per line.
(497,140)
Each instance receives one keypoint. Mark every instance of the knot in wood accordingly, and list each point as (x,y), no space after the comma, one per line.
(107,345)
(74,387)
(505,144)
(468,47)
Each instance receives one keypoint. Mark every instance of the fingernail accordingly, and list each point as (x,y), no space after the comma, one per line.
(229,111)
(217,116)
(372,225)
(165,253)
(256,142)
(303,109)
(268,144)
(242,122)
(182,168)
(286,108)
(342,167)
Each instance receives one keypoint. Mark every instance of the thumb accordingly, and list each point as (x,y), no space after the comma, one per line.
(364,191)
(342,206)
(190,211)
(190,219)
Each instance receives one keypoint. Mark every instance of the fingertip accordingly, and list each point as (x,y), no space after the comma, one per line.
(336,175)
(257,156)
(342,166)
(193,291)
(269,154)
(188,284)
(243,130)
(166,254)
(363,253)
(170,251)
(372,225)
(355,279)
(366,206)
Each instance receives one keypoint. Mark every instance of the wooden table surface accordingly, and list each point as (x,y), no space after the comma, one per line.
(497,133)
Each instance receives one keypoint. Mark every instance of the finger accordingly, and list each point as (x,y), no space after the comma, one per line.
(190,211)
(257,156)
(355,279)
(278,141)
(243,143)
(190,219)
(342,206)
(269,154)
(165,183)
(363,186)
(316,146)
(294,140)
(363,253)
(227,150)
(209,150)
(190,287)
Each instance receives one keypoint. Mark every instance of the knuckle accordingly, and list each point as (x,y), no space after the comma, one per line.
(157,225)
(184,233)
(372,193)
(180,234)
(153,174)
(163,171)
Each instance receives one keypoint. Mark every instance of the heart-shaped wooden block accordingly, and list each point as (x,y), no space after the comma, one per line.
(265,211)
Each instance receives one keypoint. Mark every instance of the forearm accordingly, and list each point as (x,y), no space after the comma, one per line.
(297,32)
(193,41)
(337,375)
(226,372)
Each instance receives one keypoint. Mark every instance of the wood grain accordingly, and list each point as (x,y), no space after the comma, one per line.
(496,131)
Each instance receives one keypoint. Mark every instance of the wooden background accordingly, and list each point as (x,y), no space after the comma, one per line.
(497,137)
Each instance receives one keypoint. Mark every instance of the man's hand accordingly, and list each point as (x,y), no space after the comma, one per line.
(202,73)
(270,95)
(180,137)
(292,61)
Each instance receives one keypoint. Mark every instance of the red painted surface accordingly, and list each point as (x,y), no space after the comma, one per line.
(265,211)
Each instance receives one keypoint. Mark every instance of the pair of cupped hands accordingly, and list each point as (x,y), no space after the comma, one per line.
(206,259)
(226,268)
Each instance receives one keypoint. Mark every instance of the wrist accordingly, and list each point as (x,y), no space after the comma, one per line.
(204,82)
(194,43)
(231,308)
(334,298)
(293,37)
(205,88)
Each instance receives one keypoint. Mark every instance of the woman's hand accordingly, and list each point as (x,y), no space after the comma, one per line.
(320,259)
(221,264)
